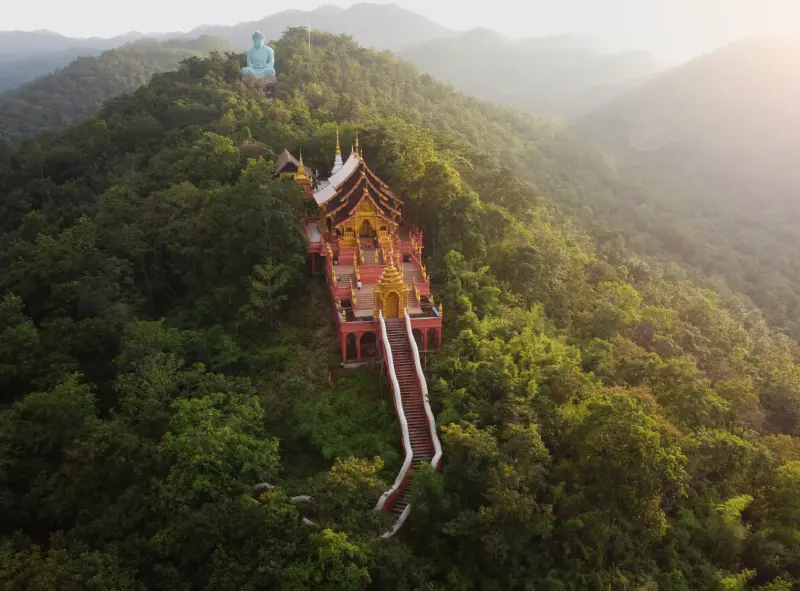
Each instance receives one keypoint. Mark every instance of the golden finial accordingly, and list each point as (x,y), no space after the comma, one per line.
(338,148)
(355,145)
(301,171)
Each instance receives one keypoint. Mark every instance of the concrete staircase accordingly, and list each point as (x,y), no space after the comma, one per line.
(412,272)
(419,429)
(344,277)
(365,301)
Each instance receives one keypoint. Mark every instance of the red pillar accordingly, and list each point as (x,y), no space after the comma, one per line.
(358,346)
(343,340)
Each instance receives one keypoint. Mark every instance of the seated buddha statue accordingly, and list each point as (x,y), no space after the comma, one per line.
(260,58)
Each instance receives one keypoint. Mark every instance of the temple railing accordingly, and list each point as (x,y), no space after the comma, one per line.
(340,292)
(437,446)
(402,476)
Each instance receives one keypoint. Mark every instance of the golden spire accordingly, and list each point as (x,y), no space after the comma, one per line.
(301,171)
(390,286)
(355,145)
(338,148)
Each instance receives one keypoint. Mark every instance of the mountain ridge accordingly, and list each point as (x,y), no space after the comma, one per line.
(78,90)
(731,111)
(559,75)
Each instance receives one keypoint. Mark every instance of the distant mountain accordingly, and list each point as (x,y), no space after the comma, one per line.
(731,114)
(17,44)
(16,71)
(77,91)
(381,26)
(562,75)
(27,55)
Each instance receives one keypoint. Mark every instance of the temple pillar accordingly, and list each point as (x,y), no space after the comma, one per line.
(358,346)
(424,340)
(343,343)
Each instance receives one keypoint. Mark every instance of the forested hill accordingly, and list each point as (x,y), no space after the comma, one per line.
(77,91)
(560,76)
(708,175)
(606,423)
(16,71)
(365,22)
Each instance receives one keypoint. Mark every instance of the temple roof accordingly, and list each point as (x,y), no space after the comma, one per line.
(286,162)
(351,186)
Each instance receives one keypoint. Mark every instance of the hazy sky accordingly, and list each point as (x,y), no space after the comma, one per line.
(670,27)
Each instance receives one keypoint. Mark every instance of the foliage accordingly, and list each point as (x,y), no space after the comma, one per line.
(77,90)
(606,422)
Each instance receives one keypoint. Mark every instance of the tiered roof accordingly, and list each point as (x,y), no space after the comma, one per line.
(351,186)
(286,163)
(289,165)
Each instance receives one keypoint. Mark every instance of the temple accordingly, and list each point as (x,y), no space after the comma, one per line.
(361,237)
(287,167)
(380,298)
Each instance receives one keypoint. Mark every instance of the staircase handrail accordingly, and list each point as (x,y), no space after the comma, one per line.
(437,445)
(401,416)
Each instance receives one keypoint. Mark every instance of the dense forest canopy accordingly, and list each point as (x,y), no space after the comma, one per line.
(16,71)
(77,91)
(709,175)
(606,422)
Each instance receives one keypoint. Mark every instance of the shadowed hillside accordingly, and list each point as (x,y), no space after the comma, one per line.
(77,91)
(16,71)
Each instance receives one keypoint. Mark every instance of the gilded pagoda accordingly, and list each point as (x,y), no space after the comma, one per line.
(371,256)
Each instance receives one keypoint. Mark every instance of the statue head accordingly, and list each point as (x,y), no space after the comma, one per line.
(258,39)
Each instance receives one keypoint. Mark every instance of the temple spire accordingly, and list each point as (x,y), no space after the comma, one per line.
(337,161)
(301,170)
(355,146)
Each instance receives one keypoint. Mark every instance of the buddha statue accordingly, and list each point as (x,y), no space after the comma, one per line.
(260,59)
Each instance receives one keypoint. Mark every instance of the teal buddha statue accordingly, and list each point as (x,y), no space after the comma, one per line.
(260,58)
